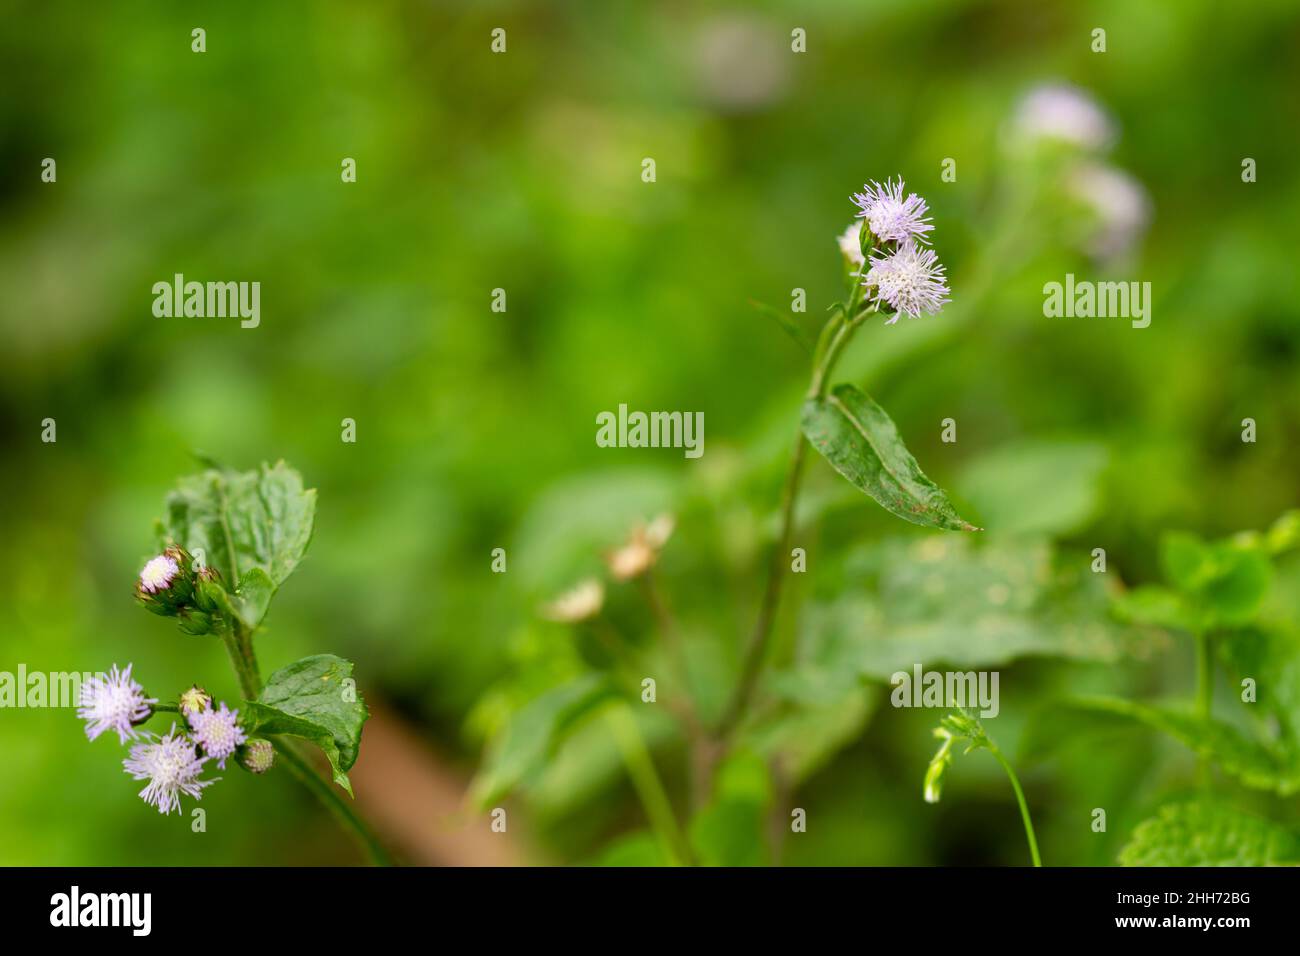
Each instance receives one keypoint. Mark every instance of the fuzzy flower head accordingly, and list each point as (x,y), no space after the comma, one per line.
(159,574)
(579,603)
(642,549)
(1065,114)
(113,701)
(892,217)
(172,767)
(257,756)
(910,280)
(1119,206)
(851,245)
(195,700)
(216,730)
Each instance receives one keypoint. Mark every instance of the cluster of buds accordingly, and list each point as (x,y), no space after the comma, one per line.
(171,585)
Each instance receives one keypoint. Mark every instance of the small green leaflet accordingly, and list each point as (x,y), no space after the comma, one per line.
(313,698)
(862,443)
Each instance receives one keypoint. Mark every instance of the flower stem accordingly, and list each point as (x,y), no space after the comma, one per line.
(1020,799)
(300,767)
(1204,697)
(649,788)
(840,330)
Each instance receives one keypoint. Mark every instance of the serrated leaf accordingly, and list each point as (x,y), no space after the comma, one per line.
(533,733)
(862,443)
(241,521)
(310,698)
(1201,833)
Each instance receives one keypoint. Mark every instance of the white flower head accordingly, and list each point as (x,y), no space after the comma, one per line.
(850,244)
(910,280)
(1119,204)
(1063,113)
(577,604)
(642,548)
(158,574)
(172,766)
(891,216)
(113,701)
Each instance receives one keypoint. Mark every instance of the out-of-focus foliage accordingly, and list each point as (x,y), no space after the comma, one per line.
(475,428)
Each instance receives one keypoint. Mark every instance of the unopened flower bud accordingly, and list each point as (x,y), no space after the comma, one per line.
(195,700)
(257,755)
(207,589)
(935,772)
(193,621)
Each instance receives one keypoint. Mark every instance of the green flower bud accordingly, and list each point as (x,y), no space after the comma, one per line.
(935,772)
(166,582)
(208,592)
(193,621)
(257,755)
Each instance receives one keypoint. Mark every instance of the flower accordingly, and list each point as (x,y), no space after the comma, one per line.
(113,701)
(890,216)
(911,280)
(642,549)
(216,730)
(194,700)
(1064,113)
(577,604)
(851,245)
(257,756)
(1119,204)
(158,574)
(172,767)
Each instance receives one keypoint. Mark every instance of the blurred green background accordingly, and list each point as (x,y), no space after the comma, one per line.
(475,429)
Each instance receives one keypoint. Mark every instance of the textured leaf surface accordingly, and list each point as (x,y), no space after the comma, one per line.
(258,520)
(862,443)
(311,698)
(1200,833)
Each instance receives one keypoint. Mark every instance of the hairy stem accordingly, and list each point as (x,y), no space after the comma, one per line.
(301,768)
(1020,799)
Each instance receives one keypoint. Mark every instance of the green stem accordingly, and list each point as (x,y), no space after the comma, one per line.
(648,786)
(1204,697)
(1020,799)
(300,767)
(840,330)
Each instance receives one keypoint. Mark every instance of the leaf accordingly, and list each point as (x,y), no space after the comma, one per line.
(1257,765)
(1202,833)
(788,324)
(1157,607)
(975,603)
(1226,581)
(729,830)
(533,733)
(309,698)
(1185,560)
(860,441)
(1036,487)
(242,521)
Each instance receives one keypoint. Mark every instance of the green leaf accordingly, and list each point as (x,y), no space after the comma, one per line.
(313,698)
(974,603)
(242,521)
(729,830)
(1257,765)
(1157,607)
(1185,560)
(1203,833)
(860,441)
(1237,588)
(1036,487)
(533,733)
